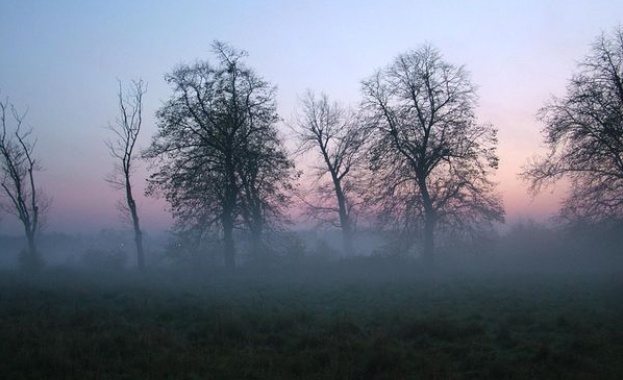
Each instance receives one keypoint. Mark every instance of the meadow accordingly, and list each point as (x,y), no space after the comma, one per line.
(357,319)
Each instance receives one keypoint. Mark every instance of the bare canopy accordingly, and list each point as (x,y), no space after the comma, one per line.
(222,164)
(332,131)
(21,197)
(431,160)
(126,130)
(584,135)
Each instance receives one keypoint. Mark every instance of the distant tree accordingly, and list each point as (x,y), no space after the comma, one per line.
(332,132)
(430,158)
(126,129)
(21,198)
(584,135)
(221,163)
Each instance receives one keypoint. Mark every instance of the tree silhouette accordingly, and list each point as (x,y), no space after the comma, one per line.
(126,129)
(21,198)
(332,132)
(221,163)
(584,135)
(430,158)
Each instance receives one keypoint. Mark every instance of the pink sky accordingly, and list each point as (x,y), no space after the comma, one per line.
(61,60)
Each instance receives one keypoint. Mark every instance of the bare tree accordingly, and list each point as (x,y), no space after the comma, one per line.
(218,149)
(126,130)
(22,198)
(430,159)
(584,134)
(332,132)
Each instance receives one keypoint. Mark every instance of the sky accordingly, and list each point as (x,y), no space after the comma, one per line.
(61,60)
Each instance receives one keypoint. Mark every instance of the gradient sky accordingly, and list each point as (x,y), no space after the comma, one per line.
(61,60)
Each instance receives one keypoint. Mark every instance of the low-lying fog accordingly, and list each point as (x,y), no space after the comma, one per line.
(524,246)
(531,302)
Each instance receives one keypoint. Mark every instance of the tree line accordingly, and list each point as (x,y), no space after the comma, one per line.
(411,157)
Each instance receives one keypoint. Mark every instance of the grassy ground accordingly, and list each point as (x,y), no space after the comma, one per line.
(326,323)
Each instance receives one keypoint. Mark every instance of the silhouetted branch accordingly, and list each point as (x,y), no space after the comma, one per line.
(126,130)
(22,197)
(584,135)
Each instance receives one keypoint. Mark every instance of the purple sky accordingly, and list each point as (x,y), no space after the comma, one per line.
(61,60)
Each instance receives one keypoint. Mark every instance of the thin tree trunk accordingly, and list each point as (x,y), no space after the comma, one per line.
(428,254)
(256,226)
(347,241)
(138,238)
(229,249)
(31,262)
(347,233)
(138,234)
(140,252)
(347,238)
(430,222)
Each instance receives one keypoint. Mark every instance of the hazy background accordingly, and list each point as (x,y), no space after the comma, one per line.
(61,61)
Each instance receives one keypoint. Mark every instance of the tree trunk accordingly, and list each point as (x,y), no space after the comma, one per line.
(30,261)
(138,234)
(430,222)
(229,249)
(347,240)
(138,239)
(428,254)
(257,227)
(347,232)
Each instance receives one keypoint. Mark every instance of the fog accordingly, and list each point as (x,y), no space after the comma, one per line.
(523,245)
(533,300)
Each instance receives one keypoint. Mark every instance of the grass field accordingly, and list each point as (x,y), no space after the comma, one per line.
(321,323)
